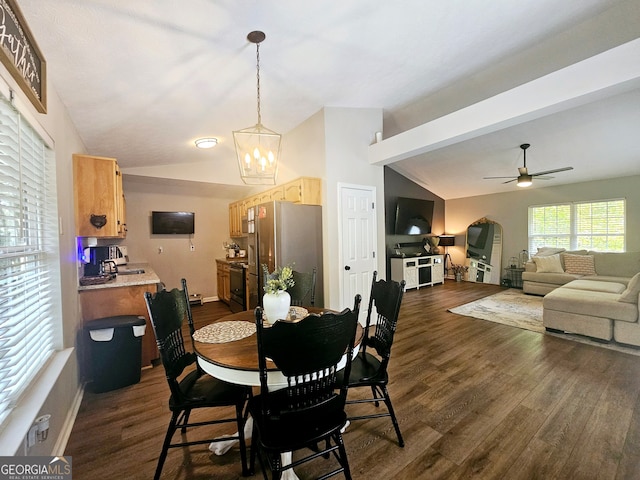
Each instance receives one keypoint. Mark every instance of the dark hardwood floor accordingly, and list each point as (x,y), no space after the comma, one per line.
(475,399)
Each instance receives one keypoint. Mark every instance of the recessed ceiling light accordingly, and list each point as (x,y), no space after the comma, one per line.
(206,142)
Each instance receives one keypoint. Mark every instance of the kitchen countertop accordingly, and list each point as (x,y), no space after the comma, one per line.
(149,277)
(233,260)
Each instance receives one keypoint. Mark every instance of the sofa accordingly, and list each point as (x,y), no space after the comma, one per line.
(588,293)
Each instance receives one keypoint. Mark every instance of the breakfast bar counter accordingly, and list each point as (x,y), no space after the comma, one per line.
(122,295)
(128,275)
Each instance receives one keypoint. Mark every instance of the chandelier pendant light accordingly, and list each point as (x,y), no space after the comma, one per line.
(257,147)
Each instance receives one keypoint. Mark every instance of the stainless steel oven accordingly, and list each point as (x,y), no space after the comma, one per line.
(237,285)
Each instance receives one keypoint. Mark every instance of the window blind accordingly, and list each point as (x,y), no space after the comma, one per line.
(596,225)
(30,316)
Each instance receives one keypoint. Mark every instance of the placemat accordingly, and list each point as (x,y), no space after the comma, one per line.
(224,332)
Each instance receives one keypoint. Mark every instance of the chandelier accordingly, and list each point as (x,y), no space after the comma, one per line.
(257,147)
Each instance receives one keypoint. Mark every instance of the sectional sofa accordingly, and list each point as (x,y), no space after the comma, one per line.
(589,293)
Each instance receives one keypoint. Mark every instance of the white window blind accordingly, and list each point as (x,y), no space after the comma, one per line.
(30,317)
(596,225)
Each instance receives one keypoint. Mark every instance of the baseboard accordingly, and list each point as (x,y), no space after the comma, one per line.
(69,421)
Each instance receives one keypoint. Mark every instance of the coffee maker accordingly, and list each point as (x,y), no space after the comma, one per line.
(93,259)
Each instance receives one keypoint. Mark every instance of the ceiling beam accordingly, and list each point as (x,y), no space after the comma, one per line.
(603,75)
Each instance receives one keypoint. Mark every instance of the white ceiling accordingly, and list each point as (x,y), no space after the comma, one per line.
(142,80)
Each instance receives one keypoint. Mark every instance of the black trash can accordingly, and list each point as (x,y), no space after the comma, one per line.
(115,351)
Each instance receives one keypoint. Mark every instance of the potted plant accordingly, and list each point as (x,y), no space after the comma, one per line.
(458,270)
(276,301)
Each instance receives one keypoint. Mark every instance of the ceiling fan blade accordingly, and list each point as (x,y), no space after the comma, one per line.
(544,178)
(552,171)
(491,178)
(512,180)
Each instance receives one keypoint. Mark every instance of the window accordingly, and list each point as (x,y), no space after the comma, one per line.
(30,318)
(579,225)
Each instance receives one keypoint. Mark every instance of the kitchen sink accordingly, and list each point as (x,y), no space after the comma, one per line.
(133,271)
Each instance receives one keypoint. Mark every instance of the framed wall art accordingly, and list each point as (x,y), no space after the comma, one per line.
(21,56)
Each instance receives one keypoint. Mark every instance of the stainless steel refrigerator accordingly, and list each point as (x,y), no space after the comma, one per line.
(284,233)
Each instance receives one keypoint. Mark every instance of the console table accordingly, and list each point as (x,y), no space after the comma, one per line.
(418,271)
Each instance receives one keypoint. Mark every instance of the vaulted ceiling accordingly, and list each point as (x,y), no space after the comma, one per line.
(142,80)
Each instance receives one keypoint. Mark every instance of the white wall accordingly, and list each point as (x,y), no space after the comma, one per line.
(332,145)
(510,210)
(177,260)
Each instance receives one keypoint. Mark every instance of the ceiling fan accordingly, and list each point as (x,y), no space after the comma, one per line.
(525,179)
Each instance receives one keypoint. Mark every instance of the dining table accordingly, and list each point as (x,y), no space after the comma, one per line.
(227,349)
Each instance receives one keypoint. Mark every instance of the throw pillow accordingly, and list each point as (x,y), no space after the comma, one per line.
(548,264)
(630,295)
(548,251)
(579,264)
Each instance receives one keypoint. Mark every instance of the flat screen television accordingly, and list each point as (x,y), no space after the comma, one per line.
(477,235)
(413,216)
(179,223)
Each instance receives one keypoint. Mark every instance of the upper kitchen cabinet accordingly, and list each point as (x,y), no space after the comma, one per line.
(305,190)
(99,199)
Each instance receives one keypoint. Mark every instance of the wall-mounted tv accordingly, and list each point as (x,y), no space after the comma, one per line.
(413,216)
(179,223)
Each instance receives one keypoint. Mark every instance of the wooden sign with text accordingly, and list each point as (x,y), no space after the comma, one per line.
(21,56)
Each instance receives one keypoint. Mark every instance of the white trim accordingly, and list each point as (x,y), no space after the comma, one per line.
(22,416)
(67,427)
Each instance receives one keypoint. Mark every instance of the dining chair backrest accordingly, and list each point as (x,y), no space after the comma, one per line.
(309,353)
(167,310)
(385,298)
(303,291)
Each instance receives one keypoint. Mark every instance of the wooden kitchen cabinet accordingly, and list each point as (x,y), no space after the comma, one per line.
(305,190)
(111,302)
(235,219)
(224,285)
(97,187)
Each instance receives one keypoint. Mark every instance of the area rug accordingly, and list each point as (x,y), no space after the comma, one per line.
(514,308)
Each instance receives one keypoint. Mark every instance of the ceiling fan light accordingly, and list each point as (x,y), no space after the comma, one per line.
(525,181)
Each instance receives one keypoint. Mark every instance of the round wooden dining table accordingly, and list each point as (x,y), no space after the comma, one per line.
(236,361)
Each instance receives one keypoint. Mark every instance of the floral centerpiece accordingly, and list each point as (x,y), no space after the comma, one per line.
(458,270)
(276,300)
(280,279)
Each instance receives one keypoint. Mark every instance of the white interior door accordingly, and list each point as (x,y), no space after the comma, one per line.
(358,243)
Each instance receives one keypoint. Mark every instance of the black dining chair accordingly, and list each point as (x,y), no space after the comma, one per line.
(368,369)
(191,388)
(309,412)
(303,291)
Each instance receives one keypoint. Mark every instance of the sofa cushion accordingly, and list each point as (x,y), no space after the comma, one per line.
(548,264)
(579,264)
(552,278)
(623,264)
(596,286)
(590,303)
(630,295)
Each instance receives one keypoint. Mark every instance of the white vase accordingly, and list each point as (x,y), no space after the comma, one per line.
(276,305)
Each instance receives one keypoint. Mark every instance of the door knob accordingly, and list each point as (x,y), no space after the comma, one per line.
(347,267)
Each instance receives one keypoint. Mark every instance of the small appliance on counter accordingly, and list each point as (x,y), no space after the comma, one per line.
(95,258)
